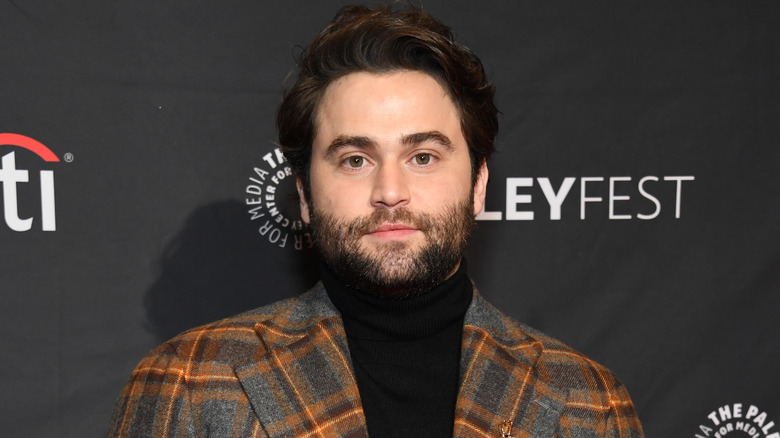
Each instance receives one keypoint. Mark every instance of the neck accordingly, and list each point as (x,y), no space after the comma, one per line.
(414,316)
(405,353)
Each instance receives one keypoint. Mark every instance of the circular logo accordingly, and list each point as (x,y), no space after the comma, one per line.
(738,420)
(272,203)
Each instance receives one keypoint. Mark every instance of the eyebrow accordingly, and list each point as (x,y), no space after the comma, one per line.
(361,142)
(421,137)
(343,141)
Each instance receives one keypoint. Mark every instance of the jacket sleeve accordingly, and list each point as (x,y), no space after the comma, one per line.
(603,410)
(155,402)
(623,421)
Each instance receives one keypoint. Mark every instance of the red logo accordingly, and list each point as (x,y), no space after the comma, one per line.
(10,176)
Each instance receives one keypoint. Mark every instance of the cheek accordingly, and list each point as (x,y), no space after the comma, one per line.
(341,200)
(446,189)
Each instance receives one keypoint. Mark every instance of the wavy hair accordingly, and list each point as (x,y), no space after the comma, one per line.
(384,40)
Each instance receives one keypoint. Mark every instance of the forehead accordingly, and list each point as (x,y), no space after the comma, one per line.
(399,100)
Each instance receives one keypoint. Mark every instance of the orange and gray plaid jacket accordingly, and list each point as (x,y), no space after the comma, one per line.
(284,370)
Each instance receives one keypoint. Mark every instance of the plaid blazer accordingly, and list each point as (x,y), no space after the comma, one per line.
(284,370)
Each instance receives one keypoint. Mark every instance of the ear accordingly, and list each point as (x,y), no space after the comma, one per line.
(480,188)
(304,203)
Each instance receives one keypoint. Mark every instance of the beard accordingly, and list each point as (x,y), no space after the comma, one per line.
(394,269)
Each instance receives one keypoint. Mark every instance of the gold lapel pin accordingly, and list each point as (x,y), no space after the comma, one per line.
(506,430)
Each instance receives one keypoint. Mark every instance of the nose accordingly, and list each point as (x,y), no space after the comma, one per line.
(390,187)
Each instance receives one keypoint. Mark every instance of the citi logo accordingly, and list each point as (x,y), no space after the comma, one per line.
(11,177)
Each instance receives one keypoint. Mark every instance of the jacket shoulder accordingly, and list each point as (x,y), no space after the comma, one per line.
(237,339)
(559,365)
(594,398)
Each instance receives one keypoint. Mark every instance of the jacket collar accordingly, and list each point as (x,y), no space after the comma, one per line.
(301,382)
(500,380)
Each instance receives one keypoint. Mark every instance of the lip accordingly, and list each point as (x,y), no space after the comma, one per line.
(392,231)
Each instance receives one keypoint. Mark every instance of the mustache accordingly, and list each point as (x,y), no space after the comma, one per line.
(368,223)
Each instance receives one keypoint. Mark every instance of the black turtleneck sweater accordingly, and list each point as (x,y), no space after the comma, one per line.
(406,354)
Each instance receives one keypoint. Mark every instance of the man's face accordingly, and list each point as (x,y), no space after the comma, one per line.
(391,202)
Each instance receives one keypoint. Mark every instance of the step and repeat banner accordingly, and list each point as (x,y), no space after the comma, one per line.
(633,209)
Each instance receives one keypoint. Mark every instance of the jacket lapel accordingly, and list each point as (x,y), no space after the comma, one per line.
(301,383)
(500,381)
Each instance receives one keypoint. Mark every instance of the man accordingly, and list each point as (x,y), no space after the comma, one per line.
(388,126)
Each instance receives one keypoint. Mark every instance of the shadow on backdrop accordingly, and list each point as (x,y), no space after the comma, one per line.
(217,266)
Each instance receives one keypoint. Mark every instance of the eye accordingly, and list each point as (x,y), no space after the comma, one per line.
(355,161)
(422,159)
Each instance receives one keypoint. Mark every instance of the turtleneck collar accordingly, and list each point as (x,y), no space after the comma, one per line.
(367,316)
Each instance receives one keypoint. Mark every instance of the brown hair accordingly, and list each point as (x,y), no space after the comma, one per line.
(384,40)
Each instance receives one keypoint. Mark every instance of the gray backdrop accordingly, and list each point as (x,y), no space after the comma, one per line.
(662,261)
